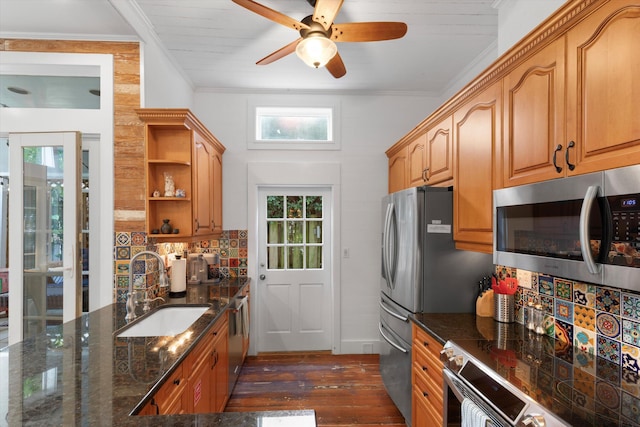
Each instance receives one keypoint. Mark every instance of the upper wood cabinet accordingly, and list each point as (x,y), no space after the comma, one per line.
(439,152)
(398,170)
(534,118)
(603,89)
(177,144)
(476,133)
(417,161)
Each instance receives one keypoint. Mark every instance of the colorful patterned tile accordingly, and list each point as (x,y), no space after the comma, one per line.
(563,289)
(630,381)
(534,282)
(563,311)
(584,340)
(138,238)
(548,324)
(530,295)
(123,239)
(123,252)
(631,358)
(563,371)
(608,349)
(242,262)
(243,243)
(631,332)
(608,325)
(545,285)
(233,243)
(122,281)
(242,272)
(607,370)
(607,395)
(224,243)
(631,306)
(563,331)
(233,253)
(122,267)
(137,249)
(204,243)
(547,303)
(584,317)
(630,407)
(584,294)
(608,299)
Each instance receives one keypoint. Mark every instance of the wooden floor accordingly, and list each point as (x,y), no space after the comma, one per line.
(344,390)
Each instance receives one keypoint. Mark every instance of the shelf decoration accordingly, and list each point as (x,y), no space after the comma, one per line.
(169,186)
(166,228)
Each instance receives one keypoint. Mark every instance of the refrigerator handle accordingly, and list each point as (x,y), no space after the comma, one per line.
(385,246)
(394,345)
(393,313)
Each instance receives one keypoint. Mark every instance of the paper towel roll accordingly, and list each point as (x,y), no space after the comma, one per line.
(179,276)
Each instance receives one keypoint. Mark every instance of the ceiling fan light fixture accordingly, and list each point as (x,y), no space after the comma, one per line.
(316,50)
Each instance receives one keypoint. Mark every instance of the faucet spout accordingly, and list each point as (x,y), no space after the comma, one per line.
(130,305)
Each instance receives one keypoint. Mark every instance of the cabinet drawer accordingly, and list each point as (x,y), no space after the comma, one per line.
(427,390)
(170,394)
(428,366)
(426,342)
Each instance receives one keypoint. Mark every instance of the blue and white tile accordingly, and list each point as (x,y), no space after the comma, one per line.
(608,349)
(631,332)
(563,311)
(545,285)
(631,306)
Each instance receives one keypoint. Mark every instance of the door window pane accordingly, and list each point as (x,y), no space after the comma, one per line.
(297,241)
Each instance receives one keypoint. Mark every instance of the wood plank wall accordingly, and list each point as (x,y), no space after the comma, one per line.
(129,207)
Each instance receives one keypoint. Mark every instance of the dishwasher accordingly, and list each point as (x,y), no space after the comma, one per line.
(238,327)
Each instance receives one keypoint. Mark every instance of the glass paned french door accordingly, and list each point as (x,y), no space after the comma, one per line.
(46,267)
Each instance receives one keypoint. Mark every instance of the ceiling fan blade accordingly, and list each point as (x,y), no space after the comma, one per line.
(271,14)
(336,66)
(280,53)
(367,31)
(325,12)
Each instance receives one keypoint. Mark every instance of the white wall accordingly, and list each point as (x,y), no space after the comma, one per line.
(516,18)
(369,126)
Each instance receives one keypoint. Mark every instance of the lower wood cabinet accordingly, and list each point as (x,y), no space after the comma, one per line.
(426,380)
(200,384)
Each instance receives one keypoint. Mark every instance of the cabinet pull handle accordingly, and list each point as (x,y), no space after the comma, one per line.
(176,381)
(424,174)
(424,368)
(154,403)
(555,153)
(425,343)
(425,394)
(566,155)
(197,224)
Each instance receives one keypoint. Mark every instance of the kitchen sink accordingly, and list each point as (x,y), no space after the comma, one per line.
(165,321)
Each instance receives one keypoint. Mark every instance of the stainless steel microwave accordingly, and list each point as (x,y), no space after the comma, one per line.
(585,227)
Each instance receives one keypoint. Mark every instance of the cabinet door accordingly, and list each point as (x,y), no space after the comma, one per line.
(220,388)
(200,387)
(398,179)
(417,161)
(477,130)
(439,142)
(603,59)
(203,180)
(534,118)
(217,193)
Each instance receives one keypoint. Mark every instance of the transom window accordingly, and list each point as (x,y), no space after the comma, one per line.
(294,232)
(294,124)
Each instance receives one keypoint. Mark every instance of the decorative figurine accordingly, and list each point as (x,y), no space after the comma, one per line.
(169,186)
(156,193)
(181,193)
(166,227)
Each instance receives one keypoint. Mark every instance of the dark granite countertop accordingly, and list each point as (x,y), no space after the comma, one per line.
(576,386)
(79,373)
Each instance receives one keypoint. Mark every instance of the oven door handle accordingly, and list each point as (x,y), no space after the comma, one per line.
(387,339)
(393,313)
(446,376)
(585,243)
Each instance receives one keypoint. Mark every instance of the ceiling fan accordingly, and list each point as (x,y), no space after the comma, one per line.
(318,34)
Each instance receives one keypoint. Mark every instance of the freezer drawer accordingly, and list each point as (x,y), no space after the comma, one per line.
(395,369)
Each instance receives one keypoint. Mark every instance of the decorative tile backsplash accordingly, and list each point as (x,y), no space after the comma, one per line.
(231,247)
(599,320)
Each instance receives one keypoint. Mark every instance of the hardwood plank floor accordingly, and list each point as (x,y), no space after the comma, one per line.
(344,390)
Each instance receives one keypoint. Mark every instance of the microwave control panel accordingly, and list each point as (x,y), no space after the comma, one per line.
(625,212)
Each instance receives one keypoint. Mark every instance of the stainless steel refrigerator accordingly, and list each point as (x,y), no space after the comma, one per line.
(422,272)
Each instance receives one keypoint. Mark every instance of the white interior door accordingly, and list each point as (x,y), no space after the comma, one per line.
(44,252)
(295,298)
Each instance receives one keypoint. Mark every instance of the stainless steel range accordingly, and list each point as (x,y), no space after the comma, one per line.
(530,380)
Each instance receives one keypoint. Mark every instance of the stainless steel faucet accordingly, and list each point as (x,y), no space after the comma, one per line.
(163,282)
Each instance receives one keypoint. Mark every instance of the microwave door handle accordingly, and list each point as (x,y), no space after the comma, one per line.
(387,339)
(585,243)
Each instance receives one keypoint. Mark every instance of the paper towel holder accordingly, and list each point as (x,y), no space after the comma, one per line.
(175,284)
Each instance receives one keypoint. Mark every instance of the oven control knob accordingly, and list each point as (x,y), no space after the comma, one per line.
(446,354)
(455,363)
(533,420)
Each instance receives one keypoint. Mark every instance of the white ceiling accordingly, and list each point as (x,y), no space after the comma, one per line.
(216,43)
